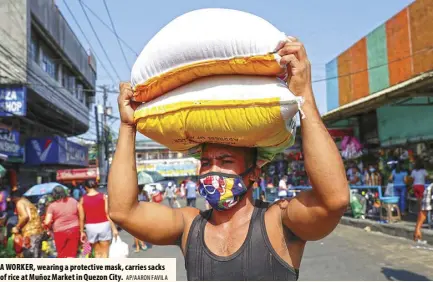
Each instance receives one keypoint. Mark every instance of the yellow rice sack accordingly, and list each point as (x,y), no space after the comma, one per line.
(204,43)
(242,111)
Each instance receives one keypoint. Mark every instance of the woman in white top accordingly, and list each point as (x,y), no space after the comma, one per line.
(418,175)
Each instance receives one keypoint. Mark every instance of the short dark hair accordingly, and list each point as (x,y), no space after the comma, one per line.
(59,193)
(90,184)
(16,194)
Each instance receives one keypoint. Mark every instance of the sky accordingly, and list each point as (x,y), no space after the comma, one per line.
(326,28)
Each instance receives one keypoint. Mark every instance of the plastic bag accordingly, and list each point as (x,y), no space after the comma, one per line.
(157,197)
(356,206)
(389,192)
(118,249)
(10,248)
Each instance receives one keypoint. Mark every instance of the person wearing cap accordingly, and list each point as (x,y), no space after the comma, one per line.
(238,239)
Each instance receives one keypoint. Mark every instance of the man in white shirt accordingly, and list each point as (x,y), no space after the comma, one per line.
(170,193)
(282,187)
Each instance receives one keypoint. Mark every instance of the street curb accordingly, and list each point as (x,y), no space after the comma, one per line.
(392,229)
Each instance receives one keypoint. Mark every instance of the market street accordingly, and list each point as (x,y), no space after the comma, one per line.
(347,254)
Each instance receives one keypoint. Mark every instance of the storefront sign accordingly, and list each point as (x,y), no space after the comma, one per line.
(78,174)
(13,101)
(72,153)
(10,142)
(55,151)
(172,169)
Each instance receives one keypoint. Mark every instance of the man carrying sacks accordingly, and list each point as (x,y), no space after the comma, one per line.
(238,239)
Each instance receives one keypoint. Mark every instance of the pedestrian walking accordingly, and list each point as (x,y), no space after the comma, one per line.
(95,224)
(29,225)
(142,197)
(419,175)
(426,206)
(399,178)
(170,194)
(62,216)
(238,239)
(191,192)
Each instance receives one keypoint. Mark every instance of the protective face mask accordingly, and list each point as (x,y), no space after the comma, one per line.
(372,170)
(222,191)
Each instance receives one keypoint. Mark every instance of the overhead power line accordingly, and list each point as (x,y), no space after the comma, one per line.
(99,41)
(110,29)
(88,41)
(117,35)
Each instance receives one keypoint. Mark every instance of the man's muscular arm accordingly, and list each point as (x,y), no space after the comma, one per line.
(314,214)
(150,222)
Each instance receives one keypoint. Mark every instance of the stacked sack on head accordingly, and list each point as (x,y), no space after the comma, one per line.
(213,76)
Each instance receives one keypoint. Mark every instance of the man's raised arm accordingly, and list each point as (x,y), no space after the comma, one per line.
(150,222)
(314,214)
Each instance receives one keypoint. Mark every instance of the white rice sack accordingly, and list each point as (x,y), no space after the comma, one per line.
(204,43)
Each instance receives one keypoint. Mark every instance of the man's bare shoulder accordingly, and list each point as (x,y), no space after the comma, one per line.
(188,214)
(276,212)
(275,208)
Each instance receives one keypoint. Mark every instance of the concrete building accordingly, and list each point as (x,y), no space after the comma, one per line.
(382,88)
(47,84)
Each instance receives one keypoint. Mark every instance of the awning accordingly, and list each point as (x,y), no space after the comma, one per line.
(414,87)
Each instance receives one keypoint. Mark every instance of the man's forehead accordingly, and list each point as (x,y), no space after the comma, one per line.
(219,151)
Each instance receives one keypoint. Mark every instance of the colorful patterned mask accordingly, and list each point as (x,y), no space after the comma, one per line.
(222,191)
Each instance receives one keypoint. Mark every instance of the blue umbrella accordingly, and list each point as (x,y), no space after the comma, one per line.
(42,189)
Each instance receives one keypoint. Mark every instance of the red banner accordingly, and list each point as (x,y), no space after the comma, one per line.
(340,132)
(78,174)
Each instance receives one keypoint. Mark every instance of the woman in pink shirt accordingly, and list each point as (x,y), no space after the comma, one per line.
(63,215)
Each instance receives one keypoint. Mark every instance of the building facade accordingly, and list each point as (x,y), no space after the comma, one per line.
(382,86)
(47,85)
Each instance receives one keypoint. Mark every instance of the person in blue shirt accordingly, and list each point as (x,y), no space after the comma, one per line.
(399,179)
(191,193)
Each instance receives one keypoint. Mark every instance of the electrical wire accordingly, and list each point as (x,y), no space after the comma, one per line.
(88,41)
(108,27)
(99,41)
(117,35)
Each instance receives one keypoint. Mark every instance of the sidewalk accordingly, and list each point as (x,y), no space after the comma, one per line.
(403,228)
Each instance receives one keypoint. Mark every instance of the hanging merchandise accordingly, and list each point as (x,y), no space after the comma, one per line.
(351,148)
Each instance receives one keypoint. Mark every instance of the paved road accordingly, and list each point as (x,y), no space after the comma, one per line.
(347,254)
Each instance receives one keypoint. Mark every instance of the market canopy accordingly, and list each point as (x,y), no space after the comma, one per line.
(419,86)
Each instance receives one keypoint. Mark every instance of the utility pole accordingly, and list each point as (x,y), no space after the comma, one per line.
(98,140)
(106,132)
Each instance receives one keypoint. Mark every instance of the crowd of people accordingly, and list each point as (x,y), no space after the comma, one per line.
(74,221)
(400,178)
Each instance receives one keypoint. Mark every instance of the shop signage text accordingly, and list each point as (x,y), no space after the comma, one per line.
(13,101)
(10,143)
(56,151)
(77,174)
